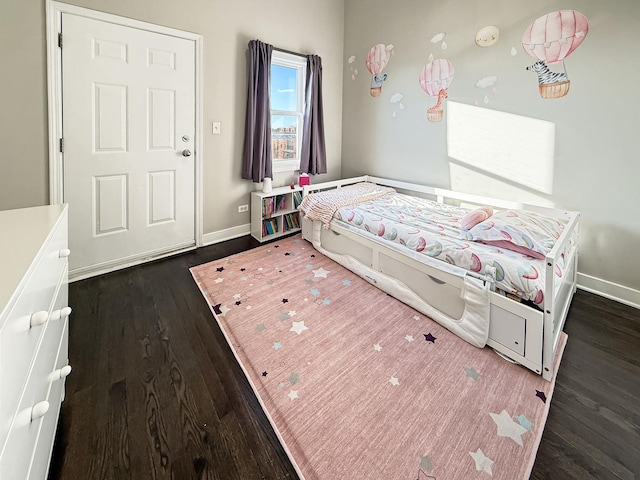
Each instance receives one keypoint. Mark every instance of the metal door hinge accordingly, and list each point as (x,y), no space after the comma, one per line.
(62,145)
(60,40)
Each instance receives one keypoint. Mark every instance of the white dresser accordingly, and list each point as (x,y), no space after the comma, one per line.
(34,317)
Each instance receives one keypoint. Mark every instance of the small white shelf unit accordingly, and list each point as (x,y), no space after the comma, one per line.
(275,213)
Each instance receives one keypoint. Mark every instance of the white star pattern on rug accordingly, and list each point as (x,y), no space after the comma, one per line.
(298,327)
(507,427)
(321,272)
(377,347)
(292,313)
(219,280)
(223,310)
(409,338)
(293,394)
(483,463)
(394,381)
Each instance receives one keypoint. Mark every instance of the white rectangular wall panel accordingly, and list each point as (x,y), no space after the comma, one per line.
(110,206)
(110,118)
(162,205)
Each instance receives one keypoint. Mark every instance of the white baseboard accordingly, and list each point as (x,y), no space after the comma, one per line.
(610,290)
(120,263)
(227,234)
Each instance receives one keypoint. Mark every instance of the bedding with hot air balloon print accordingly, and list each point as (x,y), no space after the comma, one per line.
(435,78)
(377,59)
(434,229)
(550,39)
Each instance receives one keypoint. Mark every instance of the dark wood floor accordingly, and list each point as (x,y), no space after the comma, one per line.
(156,393)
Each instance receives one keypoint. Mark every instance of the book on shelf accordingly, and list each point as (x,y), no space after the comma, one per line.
(269,226)
(271,205)
(297,199)
(291,221)
(267,207)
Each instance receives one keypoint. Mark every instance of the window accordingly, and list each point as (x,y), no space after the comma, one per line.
(287,110)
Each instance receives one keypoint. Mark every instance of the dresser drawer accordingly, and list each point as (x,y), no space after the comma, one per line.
(21,449)
(44,443)
(19,339)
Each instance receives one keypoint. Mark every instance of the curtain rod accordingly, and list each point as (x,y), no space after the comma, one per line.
(290,52)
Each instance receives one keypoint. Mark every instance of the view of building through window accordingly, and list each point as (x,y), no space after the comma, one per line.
(284,142)
(286,107)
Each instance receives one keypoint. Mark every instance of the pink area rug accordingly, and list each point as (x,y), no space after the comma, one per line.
(359,386)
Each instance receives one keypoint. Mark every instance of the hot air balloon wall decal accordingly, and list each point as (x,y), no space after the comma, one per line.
(377,59)
(435,78)
(550,39)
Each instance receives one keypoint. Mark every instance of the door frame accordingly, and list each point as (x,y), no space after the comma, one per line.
(54,11)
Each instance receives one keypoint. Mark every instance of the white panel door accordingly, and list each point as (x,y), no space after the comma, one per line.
(128,106)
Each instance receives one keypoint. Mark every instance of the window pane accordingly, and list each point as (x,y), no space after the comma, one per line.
(284,86)
(284,137)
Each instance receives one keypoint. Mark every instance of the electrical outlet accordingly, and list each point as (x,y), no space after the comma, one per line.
(243,208)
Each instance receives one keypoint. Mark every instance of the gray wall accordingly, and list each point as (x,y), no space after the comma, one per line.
(596,168)
(305,26)
(24,167)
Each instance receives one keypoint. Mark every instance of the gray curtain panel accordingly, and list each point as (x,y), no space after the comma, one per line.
(313,156)
(256,156)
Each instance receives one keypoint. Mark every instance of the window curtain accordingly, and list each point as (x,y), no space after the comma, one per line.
(313,156)
(256,156)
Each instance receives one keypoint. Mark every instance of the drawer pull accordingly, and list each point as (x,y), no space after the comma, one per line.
(39,318)
(61,373)
(58,314)
(39,410)
(65,252)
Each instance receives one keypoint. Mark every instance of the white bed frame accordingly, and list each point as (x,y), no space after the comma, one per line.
(521,333)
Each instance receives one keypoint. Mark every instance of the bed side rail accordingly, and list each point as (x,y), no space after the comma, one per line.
(333,184)
(442,194)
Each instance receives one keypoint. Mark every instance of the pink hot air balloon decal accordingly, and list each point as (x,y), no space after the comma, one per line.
(435,78)
(377,59)
(550,39)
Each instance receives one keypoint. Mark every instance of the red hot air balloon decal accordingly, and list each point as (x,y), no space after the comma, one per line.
(377,59)
(435,78)
(550,39)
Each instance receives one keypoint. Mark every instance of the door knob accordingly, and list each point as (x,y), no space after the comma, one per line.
(186,152)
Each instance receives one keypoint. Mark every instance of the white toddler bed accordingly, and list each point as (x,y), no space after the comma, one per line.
(485,294)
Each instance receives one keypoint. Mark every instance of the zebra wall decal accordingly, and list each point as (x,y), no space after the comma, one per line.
(546,76)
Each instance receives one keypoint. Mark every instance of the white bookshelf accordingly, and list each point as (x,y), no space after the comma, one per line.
(275,214)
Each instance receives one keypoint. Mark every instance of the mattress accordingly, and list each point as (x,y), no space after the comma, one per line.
(433,229)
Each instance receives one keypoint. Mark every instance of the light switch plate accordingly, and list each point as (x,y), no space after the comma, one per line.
(215,127)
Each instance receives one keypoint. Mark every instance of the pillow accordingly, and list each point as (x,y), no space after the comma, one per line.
(521,231)
(476,216)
